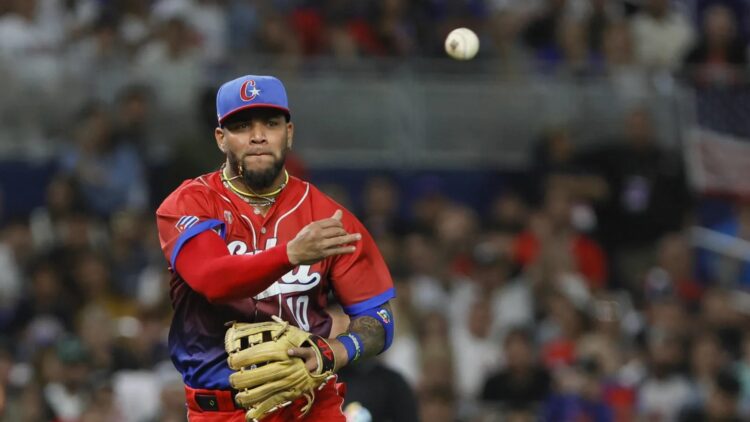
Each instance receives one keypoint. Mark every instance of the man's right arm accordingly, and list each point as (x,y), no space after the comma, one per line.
(206,265)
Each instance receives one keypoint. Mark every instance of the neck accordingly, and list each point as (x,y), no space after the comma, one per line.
(233,181)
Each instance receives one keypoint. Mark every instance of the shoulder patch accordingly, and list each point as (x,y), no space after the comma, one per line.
(185,222)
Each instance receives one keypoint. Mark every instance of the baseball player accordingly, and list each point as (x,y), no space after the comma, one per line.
(249,242)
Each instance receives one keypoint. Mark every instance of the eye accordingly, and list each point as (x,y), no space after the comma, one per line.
(272,123)
(234,127)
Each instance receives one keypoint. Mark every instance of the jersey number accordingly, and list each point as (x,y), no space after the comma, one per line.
(298,306)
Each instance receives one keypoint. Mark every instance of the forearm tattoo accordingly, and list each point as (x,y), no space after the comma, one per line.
(371,332)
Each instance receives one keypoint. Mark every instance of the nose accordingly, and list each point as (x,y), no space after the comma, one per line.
(257,133)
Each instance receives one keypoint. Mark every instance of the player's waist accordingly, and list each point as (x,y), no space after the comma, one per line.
(203,400)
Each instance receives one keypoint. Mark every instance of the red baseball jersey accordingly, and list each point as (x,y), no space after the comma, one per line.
(360,280)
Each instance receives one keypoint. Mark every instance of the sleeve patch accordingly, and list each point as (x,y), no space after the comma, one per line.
(383,314)
(185,222)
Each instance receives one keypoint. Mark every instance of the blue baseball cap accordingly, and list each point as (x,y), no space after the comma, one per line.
(250,91)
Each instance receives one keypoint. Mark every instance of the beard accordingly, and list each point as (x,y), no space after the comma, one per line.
(258,179)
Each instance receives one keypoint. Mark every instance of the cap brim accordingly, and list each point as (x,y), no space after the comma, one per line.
(256,105)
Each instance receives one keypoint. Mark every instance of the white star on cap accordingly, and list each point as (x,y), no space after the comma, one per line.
(254,92)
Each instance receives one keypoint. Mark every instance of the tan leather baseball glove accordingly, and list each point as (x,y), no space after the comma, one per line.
(266,377)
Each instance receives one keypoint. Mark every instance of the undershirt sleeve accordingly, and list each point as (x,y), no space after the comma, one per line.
(206,265)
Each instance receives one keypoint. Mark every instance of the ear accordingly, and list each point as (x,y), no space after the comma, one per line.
(220,140)
(290,135)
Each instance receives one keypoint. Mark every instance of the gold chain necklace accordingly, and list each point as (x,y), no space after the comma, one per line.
(253,198)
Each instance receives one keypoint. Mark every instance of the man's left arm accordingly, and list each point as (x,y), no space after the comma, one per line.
(369,333)
(364,287)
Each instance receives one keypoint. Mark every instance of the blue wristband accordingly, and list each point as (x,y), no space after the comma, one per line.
(353,345)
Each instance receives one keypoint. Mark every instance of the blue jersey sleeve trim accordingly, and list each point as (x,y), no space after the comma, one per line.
(194,231)
(370,303)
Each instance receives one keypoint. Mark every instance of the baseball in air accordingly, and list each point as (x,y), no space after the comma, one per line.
(462,44)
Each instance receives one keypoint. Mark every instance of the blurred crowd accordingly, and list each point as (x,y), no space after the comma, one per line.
(652,33)
(54,49)
(575,293)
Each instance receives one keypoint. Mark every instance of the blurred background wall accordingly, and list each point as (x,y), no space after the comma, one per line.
(566,216)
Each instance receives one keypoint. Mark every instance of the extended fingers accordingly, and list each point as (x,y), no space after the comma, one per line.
(341,240)
(332,232)
(340,250)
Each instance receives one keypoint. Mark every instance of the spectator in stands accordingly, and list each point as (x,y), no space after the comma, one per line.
(394,27)
(102,406)
(429,281)
(661,35)
(522,383)
(578,395)
(103,49)
(719,56)
(665,391)
(274,40)
(93,278)
(63,198)
(29,38)
(171,66)
(723,313)
(716,68)
(47,298)
(134,28)
(556,166)
(508,213)
(436,354)
(600,16)
(456,230)
(128,251)
(674,272)
(563,324)
(503,28)
(382,392)
(722,404)
(648,196)
(380,208)
(110,173)
(627,77)
(608,347)
(668,316)
(552,240)
(132,122)
(67,393)
(472,336)
(707,359)
(172,401)
(541,33)
(510,298)
(437,405)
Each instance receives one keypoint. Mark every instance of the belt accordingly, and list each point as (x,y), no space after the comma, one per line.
(210,400)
